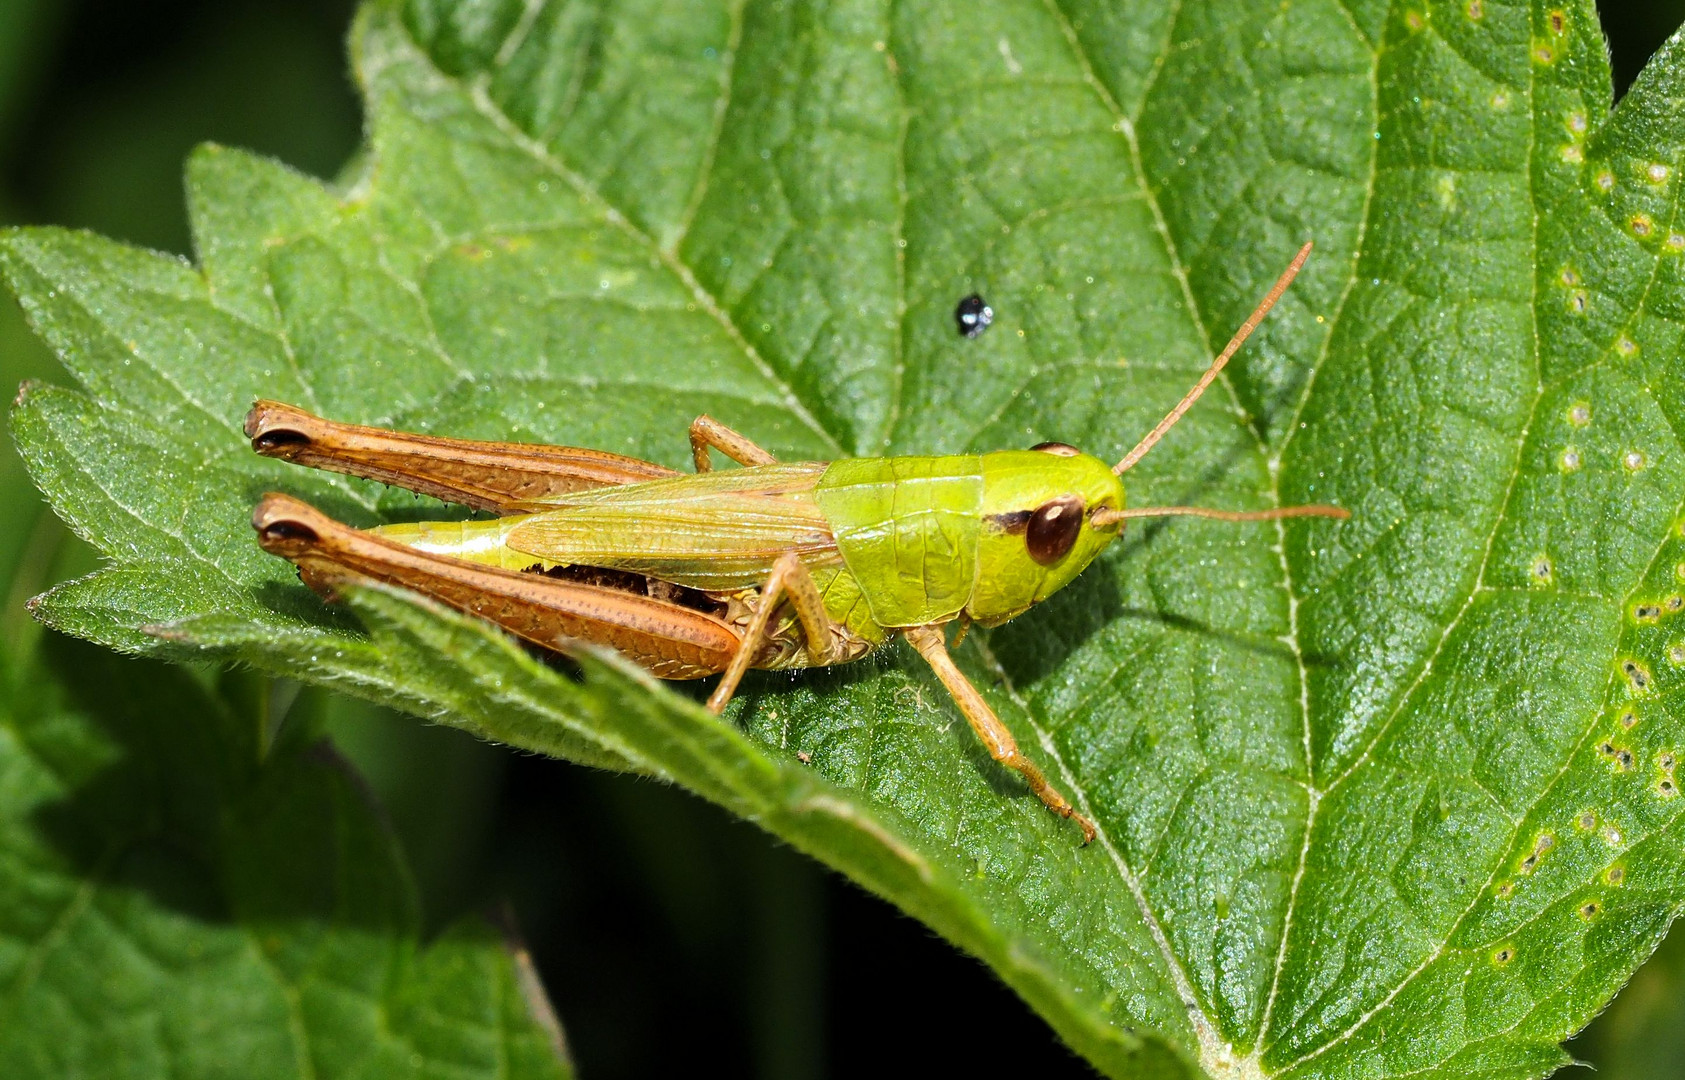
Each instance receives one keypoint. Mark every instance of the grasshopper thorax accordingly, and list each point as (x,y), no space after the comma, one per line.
(1038,526)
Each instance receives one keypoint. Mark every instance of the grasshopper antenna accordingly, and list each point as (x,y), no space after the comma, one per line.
(1152,437)
(1103,516)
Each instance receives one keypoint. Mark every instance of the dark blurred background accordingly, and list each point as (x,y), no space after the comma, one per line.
(670,936)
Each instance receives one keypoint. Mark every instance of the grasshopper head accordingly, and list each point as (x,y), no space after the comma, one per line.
(1039,530)
(1049,510)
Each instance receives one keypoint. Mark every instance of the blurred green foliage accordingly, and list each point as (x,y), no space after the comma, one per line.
(89,140)
(136,788)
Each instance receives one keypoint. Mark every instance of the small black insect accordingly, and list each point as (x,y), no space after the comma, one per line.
(973,316)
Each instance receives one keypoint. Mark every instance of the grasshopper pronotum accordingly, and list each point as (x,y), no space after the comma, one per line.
(771,565)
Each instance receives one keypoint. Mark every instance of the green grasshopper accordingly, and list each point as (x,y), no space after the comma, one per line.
(771,565)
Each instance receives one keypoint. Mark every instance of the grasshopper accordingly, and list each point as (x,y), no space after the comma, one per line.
(772,565)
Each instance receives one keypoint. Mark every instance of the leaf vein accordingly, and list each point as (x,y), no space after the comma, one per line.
(710,151)
(539,153)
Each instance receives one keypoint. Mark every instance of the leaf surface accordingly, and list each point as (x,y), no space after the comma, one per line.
(1385,797)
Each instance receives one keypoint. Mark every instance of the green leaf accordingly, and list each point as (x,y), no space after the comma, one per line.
(1385,797)
(178,903)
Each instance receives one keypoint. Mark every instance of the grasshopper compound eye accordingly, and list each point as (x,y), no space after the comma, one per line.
(1054,528)
(1057,449)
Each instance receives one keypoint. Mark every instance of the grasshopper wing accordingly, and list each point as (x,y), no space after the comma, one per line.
(497,476)
(716,531)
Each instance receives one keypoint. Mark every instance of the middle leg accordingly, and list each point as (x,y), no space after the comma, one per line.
(788,577)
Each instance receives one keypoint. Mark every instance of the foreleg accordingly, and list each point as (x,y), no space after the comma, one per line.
(994,734)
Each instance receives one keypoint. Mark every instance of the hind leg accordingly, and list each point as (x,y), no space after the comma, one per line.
(497,476)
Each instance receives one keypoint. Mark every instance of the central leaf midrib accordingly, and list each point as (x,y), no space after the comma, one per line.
(1214,1045)
(1314,795)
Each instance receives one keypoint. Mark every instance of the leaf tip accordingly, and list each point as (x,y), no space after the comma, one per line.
(539,1007)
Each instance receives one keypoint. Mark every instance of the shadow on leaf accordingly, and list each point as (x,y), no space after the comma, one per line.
(173,795)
